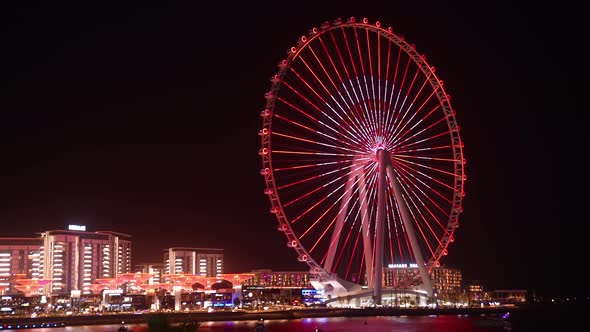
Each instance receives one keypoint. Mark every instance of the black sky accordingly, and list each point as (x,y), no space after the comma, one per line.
(144,120)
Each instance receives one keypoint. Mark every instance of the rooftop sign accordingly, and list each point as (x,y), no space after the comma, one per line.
(77,228)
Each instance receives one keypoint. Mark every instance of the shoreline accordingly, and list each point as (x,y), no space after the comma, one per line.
(173,317)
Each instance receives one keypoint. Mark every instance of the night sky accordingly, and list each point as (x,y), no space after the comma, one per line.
(144,121)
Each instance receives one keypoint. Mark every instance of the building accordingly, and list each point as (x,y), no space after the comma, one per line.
(447,284)
(509,296)
(269,279)
(157,270)
(206,262)
(73,259)
(268,288)
(66,260)
(400,276)
(476,294)
(20,258)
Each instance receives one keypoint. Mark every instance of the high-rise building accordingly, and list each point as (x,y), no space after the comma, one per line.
(207,262)
(68,259)
(75,258)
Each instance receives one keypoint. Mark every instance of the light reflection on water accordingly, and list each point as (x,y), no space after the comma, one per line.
(330,324)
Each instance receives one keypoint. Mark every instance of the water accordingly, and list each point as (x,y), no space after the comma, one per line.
(441,323)
(542,318)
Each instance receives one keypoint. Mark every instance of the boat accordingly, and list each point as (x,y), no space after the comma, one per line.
(123,328)
(260,326)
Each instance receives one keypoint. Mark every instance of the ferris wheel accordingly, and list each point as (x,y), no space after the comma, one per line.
(361,153)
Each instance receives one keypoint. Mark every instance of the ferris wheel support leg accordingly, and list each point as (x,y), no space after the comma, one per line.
(367,247)
(380,226)
(336,233)
(405,214)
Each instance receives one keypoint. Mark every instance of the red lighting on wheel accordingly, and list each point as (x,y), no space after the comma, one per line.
(330,111)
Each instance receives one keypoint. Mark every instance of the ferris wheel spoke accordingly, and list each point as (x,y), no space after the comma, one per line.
(373,75)
(363,73)
(418,226)
(378,98)
(358,107)
(355,249)
(317,165)
(383,99)
(354,102)
(399,131)
(328,92)
(424,211)
(353,121)
(400,89)
(314,142)
(418,186)
(429,149)
(406,166)
(317,132)
(397,225)
(293,152)
(342,249)
(419,207)
(336,232)
(351,136)
(418,133)
(442,153)
(388,106)
(343,129)
(362,100)
(328,195)
(367,103)
(323,186)
(398,126)
(427,167)
(389,233)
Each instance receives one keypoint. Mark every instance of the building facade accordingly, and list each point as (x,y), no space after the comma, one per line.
(66,260)
(206,262)
(157,270)
(267,288)
(447,284)
(20,258)
(75,258)
(269,279)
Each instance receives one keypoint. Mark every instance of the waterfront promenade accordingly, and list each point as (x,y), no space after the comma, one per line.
(202,316)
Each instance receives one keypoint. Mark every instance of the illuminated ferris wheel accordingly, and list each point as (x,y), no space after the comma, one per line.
(361,154)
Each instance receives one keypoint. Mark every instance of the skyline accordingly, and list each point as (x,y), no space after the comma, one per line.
(148,117)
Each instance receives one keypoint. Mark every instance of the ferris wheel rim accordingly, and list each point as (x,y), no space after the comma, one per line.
(271,190)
